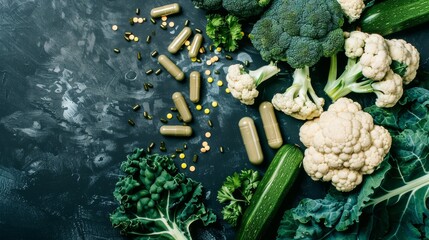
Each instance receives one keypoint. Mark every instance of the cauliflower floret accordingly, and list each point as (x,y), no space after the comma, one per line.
(375,60)
(389,90)
(352,8)
(295,101)
(243,84)
(343,144)
(406,58)
(355,43)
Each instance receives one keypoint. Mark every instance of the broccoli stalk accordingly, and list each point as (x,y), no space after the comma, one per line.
(300,100)
(263,73)
(348,81)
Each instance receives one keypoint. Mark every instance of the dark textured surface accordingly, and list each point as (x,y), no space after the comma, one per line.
(65,98)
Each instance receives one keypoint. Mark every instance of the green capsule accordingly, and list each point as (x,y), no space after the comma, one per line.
(195,158)
(152,21)
(228,57)
(139,56)
(209,122)
(131,122)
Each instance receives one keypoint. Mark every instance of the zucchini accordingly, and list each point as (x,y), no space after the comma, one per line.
(392,16)
(271,192)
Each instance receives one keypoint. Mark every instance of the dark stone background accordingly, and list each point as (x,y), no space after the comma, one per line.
(65,98)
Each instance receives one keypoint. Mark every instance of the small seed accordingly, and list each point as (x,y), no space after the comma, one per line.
(139,56)
(198,30)
(246,63)
(216,72)
(179,150)
(149,117)
(163,27)
(185,146)
(151,145)
(211,48)
(149,85)
(131,21)
(173,155)
(145,114)
(228,57)
(158,71)
(221,149)
(127,38)
(148,39)
(195,158)
(152,21)
(209,122)
(154,53)
(173,109)
(198,60)
(149,71)
(148,150)
(115,27)
(162,144)
(163,120)
(179,117)
(138,11)
(146,88)
(128,33)
(136,107)
(131,122)
(116,50)
(135,19)
(162,149)
(186,22)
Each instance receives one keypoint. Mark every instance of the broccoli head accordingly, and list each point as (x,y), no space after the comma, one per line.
(245,8)
(299,32)
(208,4)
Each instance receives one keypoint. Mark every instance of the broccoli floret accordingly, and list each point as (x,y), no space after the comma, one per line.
(245,8)
(208,4)
(299,32)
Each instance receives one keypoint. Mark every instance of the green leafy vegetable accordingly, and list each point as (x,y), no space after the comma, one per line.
(391,203)
(224,31)
(236,192)
(156,202)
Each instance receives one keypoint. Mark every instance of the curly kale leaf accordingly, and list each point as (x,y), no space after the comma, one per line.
(224,31)
(157,202)
(236,192)
(391,203)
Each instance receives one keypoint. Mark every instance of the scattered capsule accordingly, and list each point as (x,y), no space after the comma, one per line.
(131,122)
(171,67)
(194,86)
(271,126)
(179,40)
(158,71)
(149,71)
(153,53)
(165,10)
(136,107)
(251,140)
(182,107)
(195,45)
(195,158)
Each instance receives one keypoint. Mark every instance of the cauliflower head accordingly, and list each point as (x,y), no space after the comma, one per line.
(406,57)
(375,60)
(242,86)
(389,90)
(352,8)
(343,144)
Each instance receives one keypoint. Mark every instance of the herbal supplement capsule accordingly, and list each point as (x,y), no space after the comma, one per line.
(195,45)
(194,86)
(271,126)
(182,107)
(165,10)
(171,67)
(179,40)
(176,130)
(251,140)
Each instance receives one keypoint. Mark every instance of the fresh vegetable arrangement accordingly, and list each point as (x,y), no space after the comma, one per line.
(156,201)
(374,158)
(391,202)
